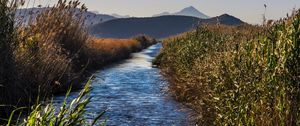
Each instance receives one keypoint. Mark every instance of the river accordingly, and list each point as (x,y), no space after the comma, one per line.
(134,94)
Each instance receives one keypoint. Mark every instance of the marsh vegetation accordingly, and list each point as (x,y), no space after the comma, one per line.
(49,55)
(241,75)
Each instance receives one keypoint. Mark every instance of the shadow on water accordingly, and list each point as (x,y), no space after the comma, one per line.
(133,93)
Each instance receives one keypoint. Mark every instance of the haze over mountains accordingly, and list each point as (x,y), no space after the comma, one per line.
(159,26)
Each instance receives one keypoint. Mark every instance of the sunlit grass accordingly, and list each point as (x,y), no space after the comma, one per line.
(105,50)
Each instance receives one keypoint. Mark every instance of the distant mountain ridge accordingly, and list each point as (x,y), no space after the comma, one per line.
(157,27)
(108,26)
(120,16)
(91,18)
(188,11)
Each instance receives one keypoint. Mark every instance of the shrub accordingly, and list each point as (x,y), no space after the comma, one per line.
(145,41)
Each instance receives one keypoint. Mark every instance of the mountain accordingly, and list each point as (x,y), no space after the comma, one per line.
(189,11)
(91,18)
(157,27)
(225,19)
(162,14)
(120,16)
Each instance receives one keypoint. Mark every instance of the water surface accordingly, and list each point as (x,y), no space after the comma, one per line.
(133,93)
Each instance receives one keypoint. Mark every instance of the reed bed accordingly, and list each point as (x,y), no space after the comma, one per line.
(50,53)
(242,75)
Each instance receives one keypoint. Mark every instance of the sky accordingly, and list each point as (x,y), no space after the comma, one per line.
(250,11)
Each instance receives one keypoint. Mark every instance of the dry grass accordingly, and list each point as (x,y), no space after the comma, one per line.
(113,46)
(49,48)
(104,51)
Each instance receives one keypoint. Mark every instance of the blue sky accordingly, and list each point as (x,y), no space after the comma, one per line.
(250,11)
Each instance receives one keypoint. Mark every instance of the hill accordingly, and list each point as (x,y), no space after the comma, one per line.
(225,19)
(157,27)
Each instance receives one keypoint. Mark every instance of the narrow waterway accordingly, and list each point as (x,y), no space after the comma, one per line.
(133,93)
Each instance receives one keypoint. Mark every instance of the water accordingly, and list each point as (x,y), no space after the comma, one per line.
(133,94)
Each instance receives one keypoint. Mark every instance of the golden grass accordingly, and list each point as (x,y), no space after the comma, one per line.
(112,45)
(103,51)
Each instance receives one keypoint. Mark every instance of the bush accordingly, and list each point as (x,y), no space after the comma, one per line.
(145,41)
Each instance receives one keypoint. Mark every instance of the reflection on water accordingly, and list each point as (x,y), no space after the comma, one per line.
(132,92)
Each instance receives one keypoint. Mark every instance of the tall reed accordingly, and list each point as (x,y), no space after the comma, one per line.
(10,86)
(41,58)
(244,75)
(50,52)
